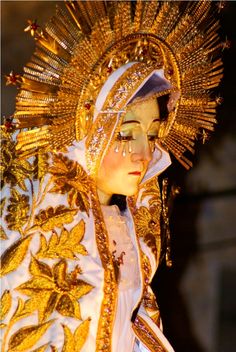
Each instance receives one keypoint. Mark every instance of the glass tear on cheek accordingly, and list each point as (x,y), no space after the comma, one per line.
(116,150)
(124,150)
(130,147)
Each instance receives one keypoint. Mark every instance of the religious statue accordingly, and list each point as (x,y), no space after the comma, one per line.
(112,91)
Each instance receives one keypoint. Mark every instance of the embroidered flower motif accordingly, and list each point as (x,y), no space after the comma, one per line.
(148,227)
(66,245)
(18,210)
(12,169)
(69,177)
(54,289)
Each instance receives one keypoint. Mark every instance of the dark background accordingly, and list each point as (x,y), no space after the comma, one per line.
(197,295)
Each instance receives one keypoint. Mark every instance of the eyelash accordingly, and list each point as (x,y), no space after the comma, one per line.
(124,138)
(131,138)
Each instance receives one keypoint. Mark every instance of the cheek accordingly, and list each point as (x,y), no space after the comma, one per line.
(111,164)
(113,175)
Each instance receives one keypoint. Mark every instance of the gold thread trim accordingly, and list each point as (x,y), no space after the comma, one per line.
(147,335)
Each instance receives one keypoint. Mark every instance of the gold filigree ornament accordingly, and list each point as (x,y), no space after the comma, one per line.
(86,41)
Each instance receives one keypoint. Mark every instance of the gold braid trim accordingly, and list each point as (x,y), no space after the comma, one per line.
(108,307)
(147,335)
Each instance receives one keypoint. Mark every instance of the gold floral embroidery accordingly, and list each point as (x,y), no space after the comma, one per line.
(48,219)
(64,245)
(13,170)
(148,227)
(3,235)
(49,289)
(70,178)
(41,165)
(74,342)
(23,309)
(18,210)
(26,337)
(14,255)
(54,289)
(152,190)
(5,304)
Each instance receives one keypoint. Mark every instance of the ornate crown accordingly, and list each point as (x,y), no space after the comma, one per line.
(86,41)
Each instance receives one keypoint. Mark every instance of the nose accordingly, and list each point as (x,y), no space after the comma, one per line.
(141,150)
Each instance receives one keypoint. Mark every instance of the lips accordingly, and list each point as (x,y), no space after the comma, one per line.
(135,173)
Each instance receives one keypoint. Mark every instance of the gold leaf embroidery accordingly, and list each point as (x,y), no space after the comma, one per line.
(3,235)
(13,170)
(5,304)
(74,342)
(54,289)
(18,209)
(14,255)
(27,336)
(68,307)
(54,217)
(65,245)
(23,309)
(148,227)
(40,166)
(18,310)
(2,326)
(70,178)
(153,192)
(2,205)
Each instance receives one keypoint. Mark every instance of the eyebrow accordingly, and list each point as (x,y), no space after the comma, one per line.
(130,121)
(135,121)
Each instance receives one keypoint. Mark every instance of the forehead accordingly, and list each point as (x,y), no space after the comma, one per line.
(144,112)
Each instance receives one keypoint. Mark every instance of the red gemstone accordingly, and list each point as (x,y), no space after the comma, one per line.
(109,69)
(8,125)
(170,71)
(87,106)
(145,51)
(34,26)
(13,79)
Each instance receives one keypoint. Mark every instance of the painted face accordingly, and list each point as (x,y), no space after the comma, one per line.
(126,161)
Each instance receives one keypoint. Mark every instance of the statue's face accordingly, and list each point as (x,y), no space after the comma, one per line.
(126,162)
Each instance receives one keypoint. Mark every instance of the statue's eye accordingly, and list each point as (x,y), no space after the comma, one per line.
(122,137)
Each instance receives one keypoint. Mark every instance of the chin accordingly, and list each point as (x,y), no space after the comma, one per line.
(130,191)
